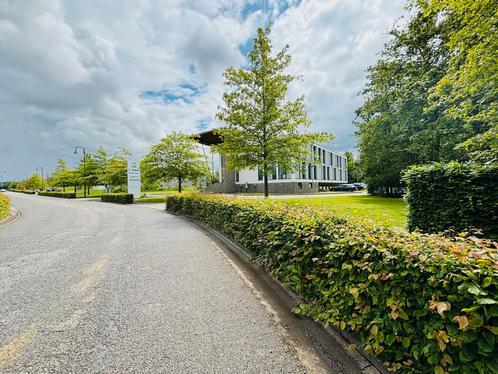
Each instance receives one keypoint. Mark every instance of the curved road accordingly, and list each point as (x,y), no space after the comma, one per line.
(92,287)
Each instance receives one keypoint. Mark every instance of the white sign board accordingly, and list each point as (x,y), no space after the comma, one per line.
(134,178)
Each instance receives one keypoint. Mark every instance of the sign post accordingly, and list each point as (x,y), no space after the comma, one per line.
(134,178)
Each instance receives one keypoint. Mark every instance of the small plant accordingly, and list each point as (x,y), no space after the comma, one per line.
(121,198)
(65,195)
(4,205)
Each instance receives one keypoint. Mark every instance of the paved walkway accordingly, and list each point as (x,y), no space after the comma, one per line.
(92,287)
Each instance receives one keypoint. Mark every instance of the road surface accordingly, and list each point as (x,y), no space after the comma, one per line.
(92,287)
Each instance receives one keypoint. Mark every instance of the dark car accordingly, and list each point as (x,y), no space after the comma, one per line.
(346,187)
(360,185)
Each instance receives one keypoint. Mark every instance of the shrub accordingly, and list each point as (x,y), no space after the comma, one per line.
(423,303)
(454,196)
(4,205)
(65,195)
(29,192)
(121,198)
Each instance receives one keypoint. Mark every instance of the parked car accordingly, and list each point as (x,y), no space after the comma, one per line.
(360,185)
(3,190)
(346,187)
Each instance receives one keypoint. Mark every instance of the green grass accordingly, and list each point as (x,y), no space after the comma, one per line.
(151,199)
(390,211)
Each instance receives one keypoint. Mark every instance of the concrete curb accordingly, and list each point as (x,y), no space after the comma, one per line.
(13,216)
(346,340)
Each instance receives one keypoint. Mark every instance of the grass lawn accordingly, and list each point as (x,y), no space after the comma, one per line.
(390,211)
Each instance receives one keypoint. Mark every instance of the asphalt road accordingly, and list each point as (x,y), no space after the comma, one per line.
(92,287)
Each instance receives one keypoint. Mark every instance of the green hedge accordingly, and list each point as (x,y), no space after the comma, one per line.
(454,196)
(422,303)
(122,198)
(65,195)
(29,192)
(4,205)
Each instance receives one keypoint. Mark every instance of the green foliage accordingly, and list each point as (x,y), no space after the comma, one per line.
(34,181)
(354,168)
(121,198)
(4,205)
(62,176)
(457,196)
(434,87)
(114,170)
(65,195)
(263,129)
(175,157)
(28,192)
(469,89)
(421,303)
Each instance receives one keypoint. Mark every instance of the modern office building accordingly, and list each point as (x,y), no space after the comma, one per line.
(329,172)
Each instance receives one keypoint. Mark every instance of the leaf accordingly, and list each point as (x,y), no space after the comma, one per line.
(406,342)
(486,301)
(474,290)
(486,343)
(463,322)
(438,370)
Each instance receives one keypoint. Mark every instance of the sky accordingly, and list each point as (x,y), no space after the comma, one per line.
(123,73)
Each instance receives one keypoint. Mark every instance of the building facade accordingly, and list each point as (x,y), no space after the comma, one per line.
(330,171)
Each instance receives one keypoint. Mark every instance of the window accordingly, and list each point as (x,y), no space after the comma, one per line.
(328,173)
(282,173)
(310,172)
(335,174)
(315,174)
(300,185)
(324,172)
(237,176)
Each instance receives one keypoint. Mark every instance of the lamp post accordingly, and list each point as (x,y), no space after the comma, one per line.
(2,172)
(41,169)
(84,161)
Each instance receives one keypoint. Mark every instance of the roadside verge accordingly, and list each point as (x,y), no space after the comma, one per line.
(13,216)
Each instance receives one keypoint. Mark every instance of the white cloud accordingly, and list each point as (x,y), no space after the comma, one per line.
(74,72)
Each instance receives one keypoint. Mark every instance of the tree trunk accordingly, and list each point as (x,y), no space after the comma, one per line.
(265,178)
(180,184)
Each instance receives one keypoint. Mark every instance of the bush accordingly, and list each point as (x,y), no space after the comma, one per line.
(454,196)
(423,303)
(65,195)
(4,205)
(121,198)
(29,192)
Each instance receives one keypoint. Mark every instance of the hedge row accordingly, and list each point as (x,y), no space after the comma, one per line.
(122,198)
(422,303)
(29,192)
(454,196)
(4,205)
(65,195)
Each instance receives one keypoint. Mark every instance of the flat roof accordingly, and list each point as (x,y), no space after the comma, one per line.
(208,138)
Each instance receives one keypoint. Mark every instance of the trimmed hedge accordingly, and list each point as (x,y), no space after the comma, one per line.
(29,192)
(121,198)
(65,195)
(423,303)
(454,196)
(4,206)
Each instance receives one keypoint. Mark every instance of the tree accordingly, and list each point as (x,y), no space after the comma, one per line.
(62,176)
(114,170)
(354,171)
(176,156)
(87,172)
(262,128)
(34,181)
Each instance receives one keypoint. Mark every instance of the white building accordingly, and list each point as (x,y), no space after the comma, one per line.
(329,172)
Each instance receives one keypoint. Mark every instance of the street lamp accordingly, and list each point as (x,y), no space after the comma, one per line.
(41,169)
(84,161)
(2,172)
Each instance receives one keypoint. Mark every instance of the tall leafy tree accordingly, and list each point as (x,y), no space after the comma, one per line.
(114,171)
(176,156)
(263,129)
(354,170)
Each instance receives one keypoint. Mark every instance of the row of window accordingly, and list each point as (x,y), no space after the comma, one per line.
(307,172)
(328,158)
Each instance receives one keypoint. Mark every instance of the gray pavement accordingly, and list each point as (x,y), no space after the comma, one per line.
(92,287)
